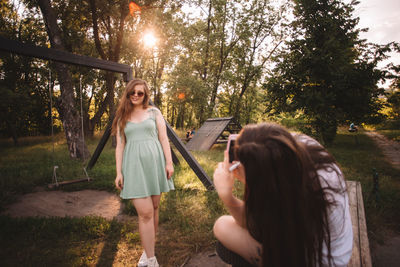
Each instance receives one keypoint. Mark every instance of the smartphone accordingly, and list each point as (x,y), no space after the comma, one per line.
(230,146)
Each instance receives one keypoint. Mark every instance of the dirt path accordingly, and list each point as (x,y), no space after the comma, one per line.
(390,148)
(387,254)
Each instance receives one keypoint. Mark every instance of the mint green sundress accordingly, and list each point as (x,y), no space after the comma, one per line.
(143,164)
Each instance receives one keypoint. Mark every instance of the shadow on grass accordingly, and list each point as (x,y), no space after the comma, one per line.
(58,241)
(110,247)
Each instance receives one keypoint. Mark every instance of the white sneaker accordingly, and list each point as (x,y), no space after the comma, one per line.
(152,262)
(143,260)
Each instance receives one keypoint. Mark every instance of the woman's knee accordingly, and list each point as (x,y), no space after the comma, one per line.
(145,215)
(236,238)
(144,208)
(222,226)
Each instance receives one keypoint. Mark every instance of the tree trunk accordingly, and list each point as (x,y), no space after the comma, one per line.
(326,127)
(239,100)
(67,110)
(13,132)
(159,69)
(114,45)
(206,58)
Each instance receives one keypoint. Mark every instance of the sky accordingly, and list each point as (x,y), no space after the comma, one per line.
(382,17)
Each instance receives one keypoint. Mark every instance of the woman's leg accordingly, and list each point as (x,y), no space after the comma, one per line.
(145,210)
(156,204)
(237,239)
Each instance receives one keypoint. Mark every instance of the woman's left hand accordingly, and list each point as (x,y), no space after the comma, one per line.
(169,168)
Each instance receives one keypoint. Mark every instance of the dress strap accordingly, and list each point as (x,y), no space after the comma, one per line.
(152,111)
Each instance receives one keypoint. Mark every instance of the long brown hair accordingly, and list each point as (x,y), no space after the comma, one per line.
(125,106)
(286,206)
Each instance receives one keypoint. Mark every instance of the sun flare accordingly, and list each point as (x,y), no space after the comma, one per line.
(149,40)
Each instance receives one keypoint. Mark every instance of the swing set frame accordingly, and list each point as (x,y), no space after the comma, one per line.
(51,54)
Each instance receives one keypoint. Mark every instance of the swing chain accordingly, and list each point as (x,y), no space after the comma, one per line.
(55,167)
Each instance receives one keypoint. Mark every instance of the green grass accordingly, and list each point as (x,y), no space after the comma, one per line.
(30,164)
(186,214)
(358,161)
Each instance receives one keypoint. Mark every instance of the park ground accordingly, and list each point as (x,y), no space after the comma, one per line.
(83,226)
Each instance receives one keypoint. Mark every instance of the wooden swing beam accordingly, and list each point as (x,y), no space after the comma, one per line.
(52,54)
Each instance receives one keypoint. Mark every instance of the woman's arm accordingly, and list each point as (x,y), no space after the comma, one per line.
(223,182)
(119,154)
(163,138)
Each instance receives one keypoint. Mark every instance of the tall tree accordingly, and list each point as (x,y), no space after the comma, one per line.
(224,52)
(262,31)
(225,38)
(66,108)
(321,71)
(108,21)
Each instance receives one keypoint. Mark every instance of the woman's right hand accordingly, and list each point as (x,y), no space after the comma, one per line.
(119,182)
(223,179)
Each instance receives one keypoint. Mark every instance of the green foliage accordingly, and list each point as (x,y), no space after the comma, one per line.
(393,95)
(208,65)
(325,71)
(22,81)
(223,53)
(394,102)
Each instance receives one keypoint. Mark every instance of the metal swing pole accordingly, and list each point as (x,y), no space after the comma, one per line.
(83,132)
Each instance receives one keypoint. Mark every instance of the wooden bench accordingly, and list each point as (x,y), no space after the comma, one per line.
(361,254)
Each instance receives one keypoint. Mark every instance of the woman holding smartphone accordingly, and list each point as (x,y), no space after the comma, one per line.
(295,210)
(143,161)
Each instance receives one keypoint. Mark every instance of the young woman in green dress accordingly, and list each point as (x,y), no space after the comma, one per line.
(143,161)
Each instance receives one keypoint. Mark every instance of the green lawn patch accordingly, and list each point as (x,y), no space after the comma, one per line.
(186,214)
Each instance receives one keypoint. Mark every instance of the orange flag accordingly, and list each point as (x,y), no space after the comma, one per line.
(133,7)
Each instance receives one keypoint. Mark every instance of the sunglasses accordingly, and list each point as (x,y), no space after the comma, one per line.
(139,94)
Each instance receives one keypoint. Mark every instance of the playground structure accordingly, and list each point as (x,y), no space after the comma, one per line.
(213,131)
(17,47)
